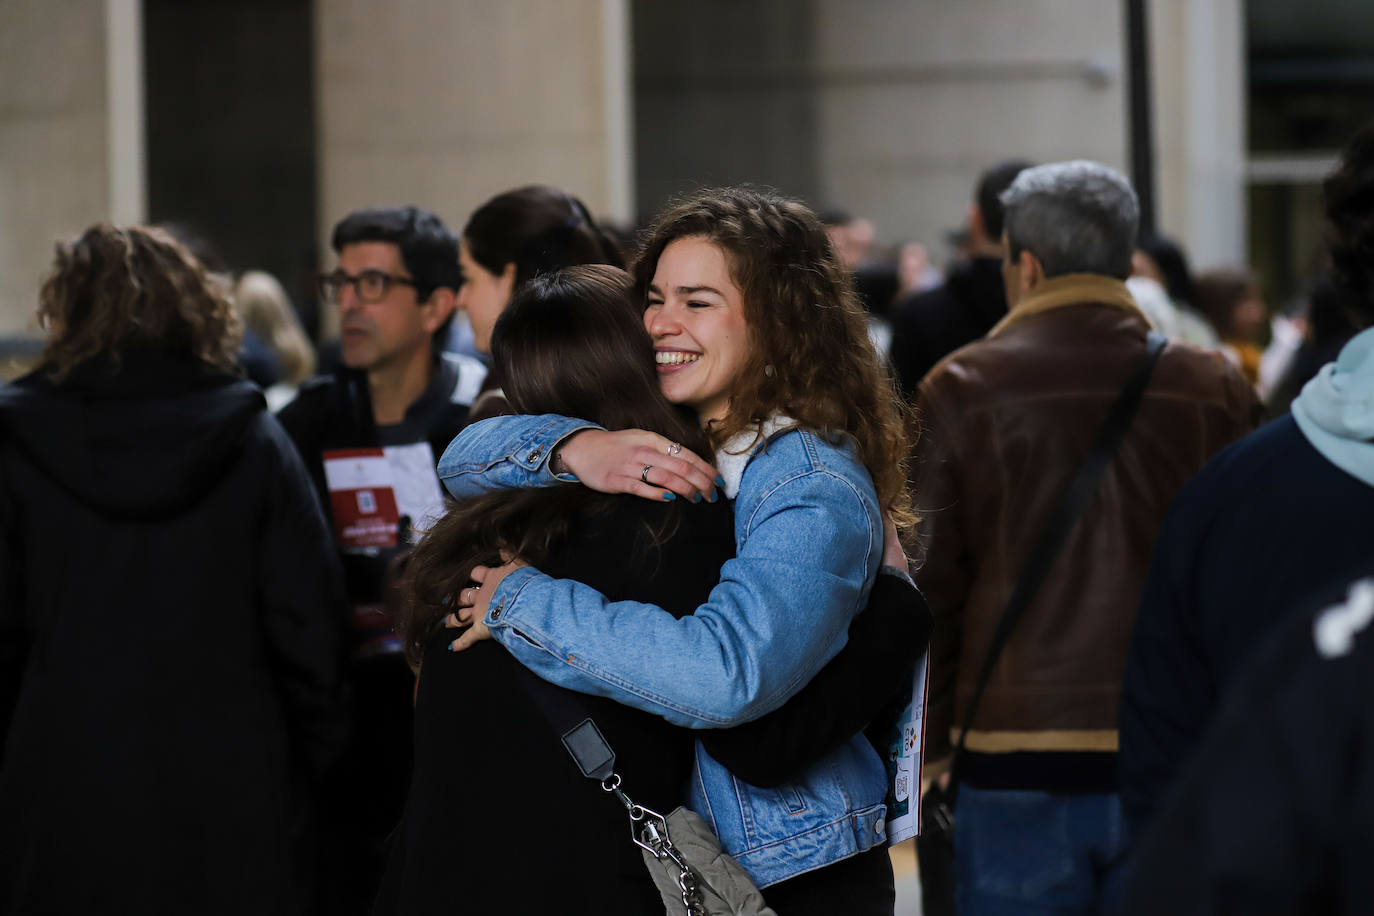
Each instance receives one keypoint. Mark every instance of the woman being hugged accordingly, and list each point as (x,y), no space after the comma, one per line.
(757,330)
(562,341)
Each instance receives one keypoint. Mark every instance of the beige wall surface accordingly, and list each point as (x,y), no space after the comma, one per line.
(446,104)
(916,98)
(1197,50)
(54,178)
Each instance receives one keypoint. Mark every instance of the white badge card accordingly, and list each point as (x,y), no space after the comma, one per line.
(418,496)
(362,497)
(906,754)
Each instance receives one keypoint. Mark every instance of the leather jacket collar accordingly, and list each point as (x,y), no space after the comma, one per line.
(1070,289)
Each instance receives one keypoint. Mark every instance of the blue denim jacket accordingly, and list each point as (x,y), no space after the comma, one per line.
(808,535)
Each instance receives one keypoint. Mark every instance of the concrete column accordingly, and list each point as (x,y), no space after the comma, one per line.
(917,98)
(125,104)
(1198,69)
(54,140)
(445,104)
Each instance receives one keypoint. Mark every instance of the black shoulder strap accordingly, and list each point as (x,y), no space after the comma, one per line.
(571,720)
(1072,504)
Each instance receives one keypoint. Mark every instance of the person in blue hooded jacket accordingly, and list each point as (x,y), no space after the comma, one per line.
(1270,518)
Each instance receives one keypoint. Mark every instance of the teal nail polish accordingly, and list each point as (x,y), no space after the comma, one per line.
(720,481)
(696,497)
(670,496)
(713,496)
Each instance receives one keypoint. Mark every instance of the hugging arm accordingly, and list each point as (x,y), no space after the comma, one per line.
(780,611)
(525,451)
(855,687)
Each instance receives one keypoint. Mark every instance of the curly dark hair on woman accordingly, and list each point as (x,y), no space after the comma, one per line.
(810,356)
(118,290)
(1349,193)
(572,343)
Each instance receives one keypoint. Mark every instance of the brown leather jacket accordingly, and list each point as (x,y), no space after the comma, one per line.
(1005,422)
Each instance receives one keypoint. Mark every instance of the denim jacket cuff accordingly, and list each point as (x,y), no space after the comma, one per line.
(503,599)
(536,450)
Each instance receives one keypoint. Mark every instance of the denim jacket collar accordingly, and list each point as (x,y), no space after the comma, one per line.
(734,455)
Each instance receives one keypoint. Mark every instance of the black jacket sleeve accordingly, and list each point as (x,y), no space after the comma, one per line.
(1168,693)
(856,685)
(305,610)
(1272,816)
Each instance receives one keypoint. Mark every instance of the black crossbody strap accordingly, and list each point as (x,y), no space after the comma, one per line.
(572,722)
(1072,504)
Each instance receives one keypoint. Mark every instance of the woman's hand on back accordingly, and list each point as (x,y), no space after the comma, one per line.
(475,600)
(637,462)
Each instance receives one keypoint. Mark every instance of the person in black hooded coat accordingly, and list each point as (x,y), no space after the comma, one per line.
(171,608)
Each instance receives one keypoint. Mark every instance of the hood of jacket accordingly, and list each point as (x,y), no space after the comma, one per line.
(1335,410)
(145,441)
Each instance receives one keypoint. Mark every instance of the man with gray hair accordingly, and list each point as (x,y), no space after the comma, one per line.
(1007,422)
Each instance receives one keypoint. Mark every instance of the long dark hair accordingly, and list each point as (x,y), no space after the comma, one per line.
(539,229)
(571,343)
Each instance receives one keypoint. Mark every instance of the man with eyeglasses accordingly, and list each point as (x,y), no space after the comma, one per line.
(370,435)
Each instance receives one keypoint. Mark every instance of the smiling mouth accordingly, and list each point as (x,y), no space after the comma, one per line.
(674,357)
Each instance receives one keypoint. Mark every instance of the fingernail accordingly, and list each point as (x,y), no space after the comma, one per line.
(713,496)
(720,481)
(696,497)
(670,496)
(450,647)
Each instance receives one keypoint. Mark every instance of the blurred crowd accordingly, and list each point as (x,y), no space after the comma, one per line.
(1134,498)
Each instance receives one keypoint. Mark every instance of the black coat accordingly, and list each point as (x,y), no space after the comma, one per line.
(1243,545)
(171,618)
(1275,814)
(930,325)
(364,799)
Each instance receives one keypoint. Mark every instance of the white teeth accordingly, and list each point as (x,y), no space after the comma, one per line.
(668,358)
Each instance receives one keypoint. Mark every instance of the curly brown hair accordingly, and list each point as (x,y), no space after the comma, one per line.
(115,290)
(810,355)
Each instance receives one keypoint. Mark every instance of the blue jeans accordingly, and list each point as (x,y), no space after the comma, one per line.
(1030,852)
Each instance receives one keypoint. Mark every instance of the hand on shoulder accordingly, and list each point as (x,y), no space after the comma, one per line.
(637,462)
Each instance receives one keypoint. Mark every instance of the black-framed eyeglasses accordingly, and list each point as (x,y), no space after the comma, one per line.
(369,286)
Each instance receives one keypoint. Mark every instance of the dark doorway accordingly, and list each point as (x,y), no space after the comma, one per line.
(231,132)
(724,93)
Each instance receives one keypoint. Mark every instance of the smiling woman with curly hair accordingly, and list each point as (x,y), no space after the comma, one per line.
(756,330)
(170,604)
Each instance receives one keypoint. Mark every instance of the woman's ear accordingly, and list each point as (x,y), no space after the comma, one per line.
(507,279)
